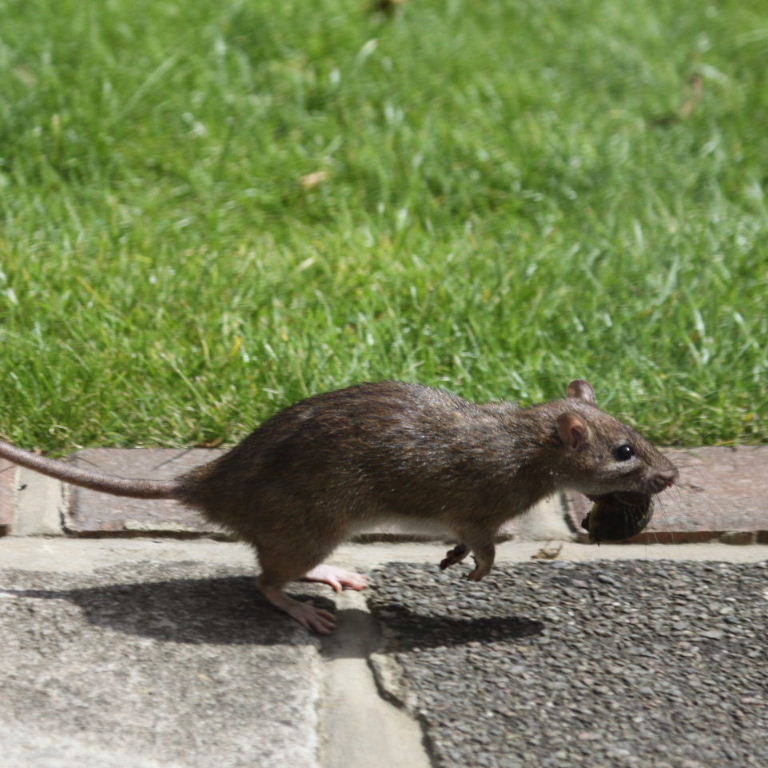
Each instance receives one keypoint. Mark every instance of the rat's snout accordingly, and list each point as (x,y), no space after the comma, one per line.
(664,478)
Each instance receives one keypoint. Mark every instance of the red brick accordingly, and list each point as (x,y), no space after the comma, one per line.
(96,514)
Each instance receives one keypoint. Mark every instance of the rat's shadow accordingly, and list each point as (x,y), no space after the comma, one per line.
(231,611)
(409,631)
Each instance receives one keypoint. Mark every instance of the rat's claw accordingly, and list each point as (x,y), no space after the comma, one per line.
(313,619)
(310,617)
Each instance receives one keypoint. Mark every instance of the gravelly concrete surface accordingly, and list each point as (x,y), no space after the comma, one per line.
(628,663)
(153,664)
(163,662)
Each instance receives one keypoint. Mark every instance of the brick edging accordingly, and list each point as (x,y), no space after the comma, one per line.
(722,495)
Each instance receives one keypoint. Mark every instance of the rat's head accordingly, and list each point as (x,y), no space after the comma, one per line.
(600,454)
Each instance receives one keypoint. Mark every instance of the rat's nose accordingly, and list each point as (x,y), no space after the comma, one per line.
(667,477)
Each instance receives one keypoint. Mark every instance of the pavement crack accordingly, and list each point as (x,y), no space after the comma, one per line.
(361,721)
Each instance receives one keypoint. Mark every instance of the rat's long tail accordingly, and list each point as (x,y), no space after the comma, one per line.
(96,481)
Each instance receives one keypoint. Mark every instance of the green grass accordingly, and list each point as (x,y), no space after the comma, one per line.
(511,200)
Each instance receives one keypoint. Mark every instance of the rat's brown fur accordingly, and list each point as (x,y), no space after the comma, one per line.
(318,470)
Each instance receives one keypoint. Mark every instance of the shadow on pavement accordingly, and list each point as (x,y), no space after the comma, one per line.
(419,630)
(225,610)
(230,611)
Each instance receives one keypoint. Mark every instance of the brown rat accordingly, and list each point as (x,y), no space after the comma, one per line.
(317,471)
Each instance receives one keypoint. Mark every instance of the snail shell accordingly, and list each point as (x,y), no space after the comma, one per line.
(618,516)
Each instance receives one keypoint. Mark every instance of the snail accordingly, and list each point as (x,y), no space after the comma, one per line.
(618,516)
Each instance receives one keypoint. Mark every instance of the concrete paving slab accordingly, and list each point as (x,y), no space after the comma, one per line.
(722,493)
(7,486)
(159,652)
(83,556)
(171,625)
(630,663)
(96,514)
(40,503)
(172,664)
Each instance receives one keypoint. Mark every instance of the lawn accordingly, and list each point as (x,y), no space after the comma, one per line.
(210,210)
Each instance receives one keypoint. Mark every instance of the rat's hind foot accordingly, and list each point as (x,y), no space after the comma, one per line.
(477,574)
(482,568)
(453,556)
(483,555)
(310,617)
(336,578)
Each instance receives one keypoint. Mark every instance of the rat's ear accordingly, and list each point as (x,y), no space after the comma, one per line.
(573,430)
(582,390)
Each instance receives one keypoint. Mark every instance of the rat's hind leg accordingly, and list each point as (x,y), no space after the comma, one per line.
(480,542)
(278,567)
(484,555)
(310,617)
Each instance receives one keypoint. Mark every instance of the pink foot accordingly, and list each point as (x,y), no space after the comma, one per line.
(337,578)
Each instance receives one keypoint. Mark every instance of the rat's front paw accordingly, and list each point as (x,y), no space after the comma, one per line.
(453,556)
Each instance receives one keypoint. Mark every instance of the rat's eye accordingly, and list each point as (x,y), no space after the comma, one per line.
(623,453)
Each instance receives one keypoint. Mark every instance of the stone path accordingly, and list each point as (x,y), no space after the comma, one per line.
(131,635)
